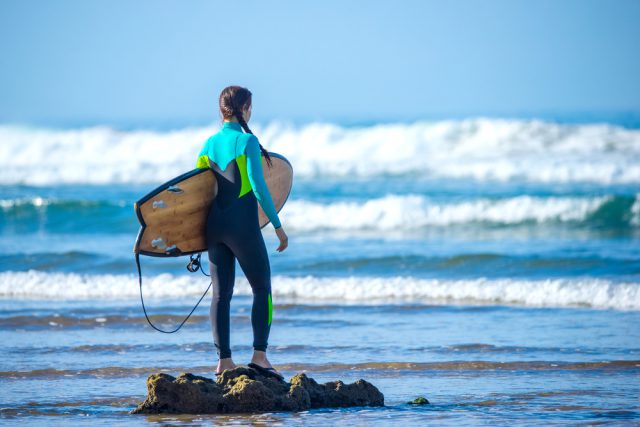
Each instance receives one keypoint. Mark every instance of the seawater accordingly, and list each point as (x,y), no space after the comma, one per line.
(490,265)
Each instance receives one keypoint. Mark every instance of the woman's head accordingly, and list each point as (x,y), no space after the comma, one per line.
(235,104)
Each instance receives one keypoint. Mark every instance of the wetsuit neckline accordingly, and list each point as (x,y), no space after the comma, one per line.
(232,125)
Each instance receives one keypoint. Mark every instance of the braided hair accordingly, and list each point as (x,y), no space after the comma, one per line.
(233,100)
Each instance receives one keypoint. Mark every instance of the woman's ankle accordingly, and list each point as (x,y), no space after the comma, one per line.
(259,356)
(227,361)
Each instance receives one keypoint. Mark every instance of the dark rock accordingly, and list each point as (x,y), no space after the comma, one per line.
(246,390)
(337,394)
(419,401)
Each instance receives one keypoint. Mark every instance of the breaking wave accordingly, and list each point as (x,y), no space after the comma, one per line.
(397,212)
(414,212)
(479,149)
(569,292)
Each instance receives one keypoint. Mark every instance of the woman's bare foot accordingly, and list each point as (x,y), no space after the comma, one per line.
(224,364)
(260,359)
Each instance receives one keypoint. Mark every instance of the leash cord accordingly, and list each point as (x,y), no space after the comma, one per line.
(193,266)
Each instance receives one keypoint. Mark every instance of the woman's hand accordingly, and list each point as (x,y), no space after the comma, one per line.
(284,240)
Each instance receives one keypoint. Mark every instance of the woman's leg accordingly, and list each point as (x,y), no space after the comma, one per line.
(254,261)
(222,267)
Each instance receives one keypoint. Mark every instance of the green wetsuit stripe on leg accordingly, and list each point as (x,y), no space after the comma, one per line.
(270,309)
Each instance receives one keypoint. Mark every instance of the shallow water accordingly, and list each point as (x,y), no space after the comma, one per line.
(471,362)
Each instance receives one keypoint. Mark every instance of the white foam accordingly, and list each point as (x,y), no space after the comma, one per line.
(480,149)
(97,155)
(415,211)
(570,292)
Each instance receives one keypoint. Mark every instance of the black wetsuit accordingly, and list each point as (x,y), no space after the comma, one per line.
(233,232)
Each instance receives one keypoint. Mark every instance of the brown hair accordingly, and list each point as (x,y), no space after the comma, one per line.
(233,100)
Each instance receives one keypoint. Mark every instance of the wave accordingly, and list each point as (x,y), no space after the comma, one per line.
(479,149)
(16,205)
(50,214)
(415,212)
(390,212)
(620,264)
(573,292)
(22,207)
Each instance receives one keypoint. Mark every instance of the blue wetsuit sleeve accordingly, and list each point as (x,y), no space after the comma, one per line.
(258,184)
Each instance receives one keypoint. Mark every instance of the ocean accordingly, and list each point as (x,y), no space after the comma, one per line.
(490,265)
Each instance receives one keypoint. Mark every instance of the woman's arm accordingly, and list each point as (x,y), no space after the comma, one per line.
(258,184)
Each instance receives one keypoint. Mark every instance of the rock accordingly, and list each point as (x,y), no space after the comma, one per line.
(419,401)
(247,390)
(336,394)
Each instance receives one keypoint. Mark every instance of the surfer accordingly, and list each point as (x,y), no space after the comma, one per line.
(233,229)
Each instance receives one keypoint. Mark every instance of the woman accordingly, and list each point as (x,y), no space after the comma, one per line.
(233,230)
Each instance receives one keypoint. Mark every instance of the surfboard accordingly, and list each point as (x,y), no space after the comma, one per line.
(173,217)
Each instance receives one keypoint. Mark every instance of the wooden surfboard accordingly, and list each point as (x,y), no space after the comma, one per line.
(173,216)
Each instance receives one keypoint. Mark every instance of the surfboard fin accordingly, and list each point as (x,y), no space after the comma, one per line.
(175,189)
(173,250)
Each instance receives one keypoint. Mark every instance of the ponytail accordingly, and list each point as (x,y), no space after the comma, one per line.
(245,126)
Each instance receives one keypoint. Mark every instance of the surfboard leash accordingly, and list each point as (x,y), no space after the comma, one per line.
(193,266)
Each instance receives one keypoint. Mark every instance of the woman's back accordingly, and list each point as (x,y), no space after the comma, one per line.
(224,153)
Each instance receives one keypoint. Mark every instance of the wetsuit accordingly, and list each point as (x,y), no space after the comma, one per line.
(233,231)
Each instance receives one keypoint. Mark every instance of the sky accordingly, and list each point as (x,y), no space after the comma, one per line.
(145,62)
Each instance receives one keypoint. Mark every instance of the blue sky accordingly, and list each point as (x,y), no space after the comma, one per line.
(151,61)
